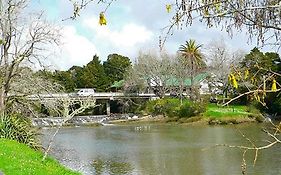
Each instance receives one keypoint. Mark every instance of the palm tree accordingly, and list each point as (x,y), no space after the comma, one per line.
(193,58)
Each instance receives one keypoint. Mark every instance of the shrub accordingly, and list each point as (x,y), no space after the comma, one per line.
(16,127)
(172,107)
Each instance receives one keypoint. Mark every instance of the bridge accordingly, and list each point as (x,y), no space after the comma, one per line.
(96,95)
(108,96)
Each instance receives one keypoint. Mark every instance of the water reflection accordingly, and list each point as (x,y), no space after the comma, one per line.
(162,149)
(111,167)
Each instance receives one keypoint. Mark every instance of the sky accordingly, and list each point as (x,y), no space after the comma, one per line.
(133,26)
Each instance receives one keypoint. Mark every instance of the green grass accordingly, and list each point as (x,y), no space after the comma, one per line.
(229,111)
(19,159)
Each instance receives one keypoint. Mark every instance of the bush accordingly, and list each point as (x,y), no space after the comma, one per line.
(172,107)
(16,127)
(189,109)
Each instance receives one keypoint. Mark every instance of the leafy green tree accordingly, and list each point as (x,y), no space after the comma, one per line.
(93,75)
(65,79)
(257,71)
(115,67)
(258,64)
(76,74)
(193,59)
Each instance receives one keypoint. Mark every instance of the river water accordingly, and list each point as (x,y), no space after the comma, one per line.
(162,149)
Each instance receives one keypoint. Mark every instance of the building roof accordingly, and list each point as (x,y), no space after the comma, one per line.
(187,82)
(118,84)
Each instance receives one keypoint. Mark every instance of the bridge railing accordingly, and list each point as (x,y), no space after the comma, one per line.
(96,95)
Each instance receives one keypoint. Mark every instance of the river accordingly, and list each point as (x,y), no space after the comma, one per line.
(162,150)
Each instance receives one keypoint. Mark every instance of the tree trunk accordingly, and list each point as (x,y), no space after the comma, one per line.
(2,101)
(181,91)
(191,80)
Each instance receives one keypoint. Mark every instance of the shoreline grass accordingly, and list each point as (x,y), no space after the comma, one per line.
(18,159)
(214,114)
(215,111)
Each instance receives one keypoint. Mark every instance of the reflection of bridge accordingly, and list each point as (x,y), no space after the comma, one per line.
(95,96)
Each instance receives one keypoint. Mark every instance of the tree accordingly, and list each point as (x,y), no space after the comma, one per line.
(29,83)
(93,75)
(115,67)
(220,60)
(261,19)
(193,58)
(262,69)
(65,79)
(152,71)
(24,39)
(66,107)
(76,74)
(256,60)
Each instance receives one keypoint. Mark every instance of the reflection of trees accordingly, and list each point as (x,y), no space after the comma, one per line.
(111,167)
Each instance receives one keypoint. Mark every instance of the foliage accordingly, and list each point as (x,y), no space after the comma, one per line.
(26,41)
(19,128)
(260,19)
(65,79)
(192,54)
(93,75)
(151,72)
(259,75)
(173,107)
(273,101)
(193,59)
(76,72)
(116,67)
(17,158)
(255,60)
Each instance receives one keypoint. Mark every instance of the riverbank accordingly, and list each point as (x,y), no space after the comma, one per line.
(198,120)
(214,115)
(19,159)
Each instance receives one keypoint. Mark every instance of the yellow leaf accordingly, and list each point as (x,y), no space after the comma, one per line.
(218,5)
(257,98)
(246,74)
(234,83)
(102,20)
(206,12)
(229,78)
(273,87)
(168,8)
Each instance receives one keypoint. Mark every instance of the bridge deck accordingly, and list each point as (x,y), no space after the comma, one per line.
(97,95)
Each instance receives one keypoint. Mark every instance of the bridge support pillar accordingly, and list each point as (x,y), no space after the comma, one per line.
(108,107)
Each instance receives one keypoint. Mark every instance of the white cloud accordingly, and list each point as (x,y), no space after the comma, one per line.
(75,50)
(127,37)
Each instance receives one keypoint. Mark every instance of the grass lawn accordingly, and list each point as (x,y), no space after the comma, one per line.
(215,111)
(19,159)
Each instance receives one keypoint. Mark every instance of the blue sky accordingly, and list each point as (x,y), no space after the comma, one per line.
(133,26)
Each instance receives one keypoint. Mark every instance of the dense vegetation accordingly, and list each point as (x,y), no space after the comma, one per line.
(261,69)
(174,107)
(19,128)
(19,159)
(117,68)
(93,75)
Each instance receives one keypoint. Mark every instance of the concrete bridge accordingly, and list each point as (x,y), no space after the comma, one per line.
(108,96)
(96,95)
